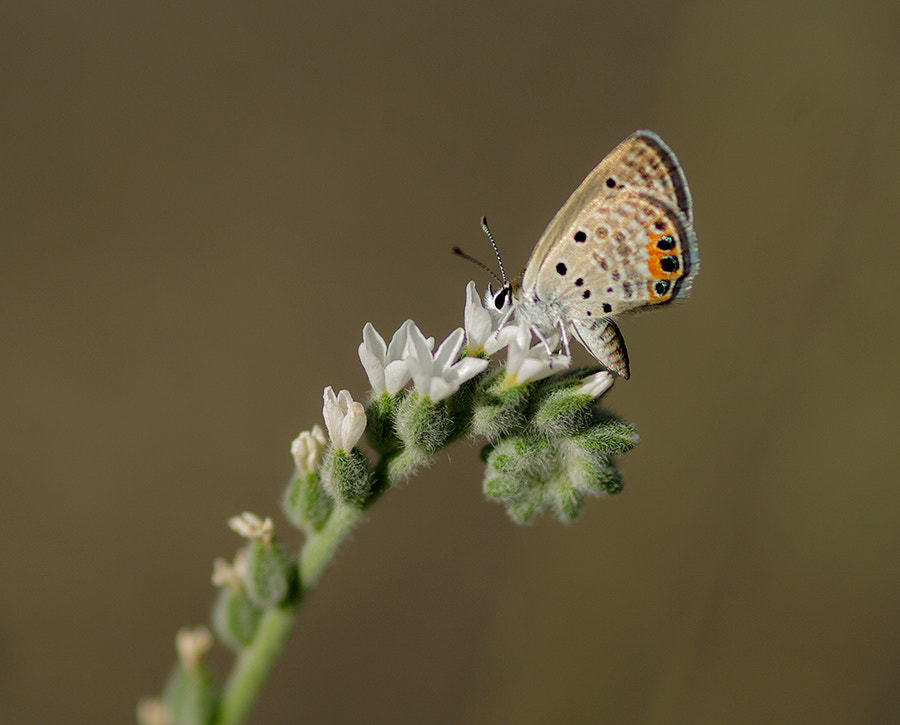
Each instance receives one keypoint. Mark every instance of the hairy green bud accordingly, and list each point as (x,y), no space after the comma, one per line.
(305,503)
(235,618)
(347,476)
(269,578)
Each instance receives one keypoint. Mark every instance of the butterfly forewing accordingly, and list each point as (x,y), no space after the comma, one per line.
(642,162)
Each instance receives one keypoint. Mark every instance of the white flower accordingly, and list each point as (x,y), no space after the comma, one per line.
(440,375)
(192,645)
(595,385)
(252,527)
(526,363)
(386,365)
(482,323)
(225,575)
(307,449)
(345,419)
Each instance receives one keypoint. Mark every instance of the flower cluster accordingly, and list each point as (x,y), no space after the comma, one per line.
(548,444)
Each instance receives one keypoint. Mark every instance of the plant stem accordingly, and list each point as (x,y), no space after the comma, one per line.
(319,549)
(253,664)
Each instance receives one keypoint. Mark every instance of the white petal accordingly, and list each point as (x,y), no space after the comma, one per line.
(396,375)
(332,414)
(532,369)
(468,368)
(597,384)
(353,426)
(449,350)
(373,341)
(420,361)
(373,366)
(397,349)
(344,400)
(439,389)
(502,338)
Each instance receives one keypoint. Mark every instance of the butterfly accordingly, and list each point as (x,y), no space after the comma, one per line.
(624,241)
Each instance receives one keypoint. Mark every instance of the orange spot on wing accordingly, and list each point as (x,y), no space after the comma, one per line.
(656,255)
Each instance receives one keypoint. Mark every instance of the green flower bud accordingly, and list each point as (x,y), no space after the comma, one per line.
(192,695)
(268,577)
(532,474)
(347,476)
(591,473)
(305,503)
(235,618)
(523,510)
(516,464)
(563,499)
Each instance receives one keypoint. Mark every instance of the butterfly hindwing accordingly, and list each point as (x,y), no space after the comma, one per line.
(619,254)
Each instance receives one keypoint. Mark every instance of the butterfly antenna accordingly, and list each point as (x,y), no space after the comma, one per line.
(460,253)
(487,230)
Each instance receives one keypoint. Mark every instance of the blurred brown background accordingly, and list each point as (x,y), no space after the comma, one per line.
(201,207)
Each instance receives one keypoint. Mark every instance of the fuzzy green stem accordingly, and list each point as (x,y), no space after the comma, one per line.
(254,663)
(319,549)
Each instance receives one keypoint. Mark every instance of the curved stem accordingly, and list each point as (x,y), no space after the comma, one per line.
(253,664)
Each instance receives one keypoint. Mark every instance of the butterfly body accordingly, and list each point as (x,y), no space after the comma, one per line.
(624,241)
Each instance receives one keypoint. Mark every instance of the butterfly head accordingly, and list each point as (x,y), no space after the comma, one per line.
(500,300)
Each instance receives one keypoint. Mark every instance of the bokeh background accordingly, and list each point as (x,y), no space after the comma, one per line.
(202,204)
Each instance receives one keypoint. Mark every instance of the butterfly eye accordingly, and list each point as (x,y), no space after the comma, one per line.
(500,299)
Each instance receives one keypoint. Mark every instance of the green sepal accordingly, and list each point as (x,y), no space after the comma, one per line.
(423,424)
(608,436)
(306,503)
(191,695)
(269,578)
(235,618)
(380,432)
(563,412)
(405,464)
(526,508)
(529,461)
(500,410)
(562,498)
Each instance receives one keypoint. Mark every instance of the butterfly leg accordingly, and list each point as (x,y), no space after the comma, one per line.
(564,336)
(541,338)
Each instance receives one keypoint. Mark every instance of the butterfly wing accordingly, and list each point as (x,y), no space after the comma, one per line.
(617,255)
(642,162)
